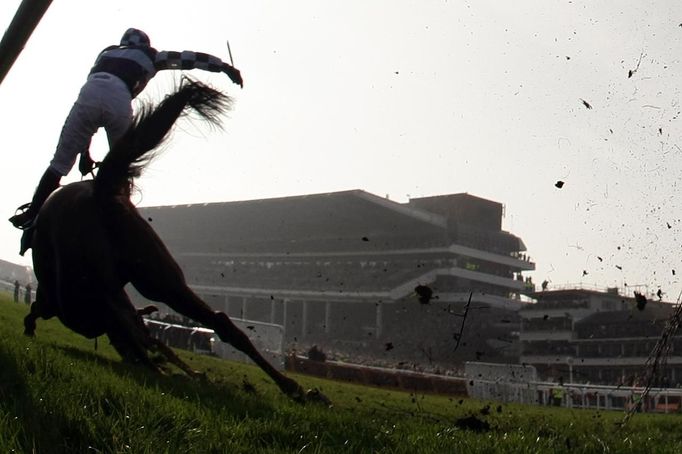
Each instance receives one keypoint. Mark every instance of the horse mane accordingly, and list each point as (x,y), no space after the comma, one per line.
(150,128)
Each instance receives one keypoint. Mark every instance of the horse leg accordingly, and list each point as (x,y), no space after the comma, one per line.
(184,301)
(167,284)
(173,358)
(138,340)
(126,331)
(156,344)
(40,308)
(155,274)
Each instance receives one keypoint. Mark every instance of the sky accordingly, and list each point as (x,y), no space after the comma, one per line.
(402,99)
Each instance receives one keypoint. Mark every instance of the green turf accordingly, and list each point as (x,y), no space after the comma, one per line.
(58,394)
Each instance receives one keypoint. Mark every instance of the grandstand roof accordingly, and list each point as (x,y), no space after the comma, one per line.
(333,221)
(464,209)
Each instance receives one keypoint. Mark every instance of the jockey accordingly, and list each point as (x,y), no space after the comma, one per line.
(119,74)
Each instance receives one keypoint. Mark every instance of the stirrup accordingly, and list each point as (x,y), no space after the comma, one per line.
(21,219)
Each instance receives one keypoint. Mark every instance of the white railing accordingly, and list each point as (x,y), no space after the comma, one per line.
(573,395)
(268,338)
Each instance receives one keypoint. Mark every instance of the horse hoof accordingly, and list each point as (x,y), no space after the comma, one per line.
(198,375)
(316,396)
(29,328)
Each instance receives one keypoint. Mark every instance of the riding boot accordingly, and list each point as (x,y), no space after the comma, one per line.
(25,221)
(48,183)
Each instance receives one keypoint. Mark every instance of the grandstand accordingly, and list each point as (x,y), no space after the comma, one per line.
(340,269)
(11,271)
(601,337)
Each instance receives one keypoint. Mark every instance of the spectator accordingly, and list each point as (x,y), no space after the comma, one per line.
(315,354)
(636,401)
(27,295)
(558,393)
(17,286)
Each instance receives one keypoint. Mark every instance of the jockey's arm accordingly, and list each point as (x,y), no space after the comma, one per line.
(196,60)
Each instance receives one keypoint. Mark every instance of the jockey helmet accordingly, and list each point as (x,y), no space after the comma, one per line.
(135,37)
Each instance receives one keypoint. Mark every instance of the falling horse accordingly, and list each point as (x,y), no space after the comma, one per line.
(90,241)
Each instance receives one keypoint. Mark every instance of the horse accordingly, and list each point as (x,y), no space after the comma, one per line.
(90,241)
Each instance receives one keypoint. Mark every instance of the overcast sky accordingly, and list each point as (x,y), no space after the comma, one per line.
(405,99)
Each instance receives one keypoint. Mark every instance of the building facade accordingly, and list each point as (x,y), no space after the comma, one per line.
(359,274)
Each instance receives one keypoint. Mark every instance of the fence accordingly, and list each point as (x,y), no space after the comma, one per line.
(404,380)
(573,395)
(268,339)
(511,382)
(517,383)
(659,400)
(9,287)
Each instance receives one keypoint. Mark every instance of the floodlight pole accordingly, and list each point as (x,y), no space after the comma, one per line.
(19,31)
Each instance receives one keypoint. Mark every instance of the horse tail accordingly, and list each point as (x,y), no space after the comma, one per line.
(151,126)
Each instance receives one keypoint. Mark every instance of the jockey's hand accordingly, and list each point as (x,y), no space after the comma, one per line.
(234,74)
(86,165)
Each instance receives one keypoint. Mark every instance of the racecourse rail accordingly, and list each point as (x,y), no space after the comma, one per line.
(9,287)
(503,388)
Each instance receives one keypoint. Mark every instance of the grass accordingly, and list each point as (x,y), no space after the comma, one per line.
(58,394)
